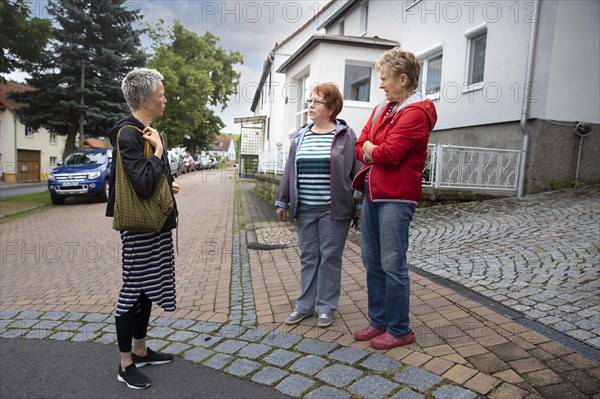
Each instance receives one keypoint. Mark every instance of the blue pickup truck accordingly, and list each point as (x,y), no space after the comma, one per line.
(83,173)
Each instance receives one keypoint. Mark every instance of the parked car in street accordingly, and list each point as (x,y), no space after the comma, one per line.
(173,164)
(83,173)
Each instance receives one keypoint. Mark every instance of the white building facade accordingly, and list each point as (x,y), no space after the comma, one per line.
(505,75)
(26,155)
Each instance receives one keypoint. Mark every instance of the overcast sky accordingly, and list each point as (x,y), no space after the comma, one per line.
(251,27)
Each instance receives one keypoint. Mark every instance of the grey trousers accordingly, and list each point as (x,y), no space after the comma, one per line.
(322,243)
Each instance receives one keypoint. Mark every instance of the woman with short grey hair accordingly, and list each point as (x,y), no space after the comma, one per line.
(148,258)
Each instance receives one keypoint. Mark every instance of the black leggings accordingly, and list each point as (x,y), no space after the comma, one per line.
(134,323)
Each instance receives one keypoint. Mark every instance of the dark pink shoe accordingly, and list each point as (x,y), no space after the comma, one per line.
(388,341)
(368,333)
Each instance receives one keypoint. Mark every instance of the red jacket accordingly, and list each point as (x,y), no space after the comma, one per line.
(400,153)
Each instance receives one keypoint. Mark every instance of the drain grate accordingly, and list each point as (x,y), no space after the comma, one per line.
(576,345)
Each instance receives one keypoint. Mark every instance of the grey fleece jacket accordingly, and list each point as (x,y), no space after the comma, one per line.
(343,168)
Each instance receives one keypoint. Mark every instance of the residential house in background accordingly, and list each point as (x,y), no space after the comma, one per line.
(223,148)
(26,155)
(513,77)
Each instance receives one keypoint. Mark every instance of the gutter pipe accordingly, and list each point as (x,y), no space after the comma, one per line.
(526,101)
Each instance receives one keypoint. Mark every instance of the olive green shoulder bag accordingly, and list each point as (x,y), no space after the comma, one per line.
(135,214)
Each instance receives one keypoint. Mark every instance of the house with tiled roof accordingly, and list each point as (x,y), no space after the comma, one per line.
(223,148)
(26,155)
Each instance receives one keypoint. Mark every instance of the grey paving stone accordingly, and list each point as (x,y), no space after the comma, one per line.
(108,338)
(231,331)
(85,336)
(29,314)
(218,361)
(326,392)
(310,365)
(110,328)
(379,362)
(315,347)
(12,333)
(25,323)
(37,334)
(407,393)
(339,375)
(92,327)
(230,346)
(453,392)
(197,355)
(242,367)
(183,324)
(61,336)
(157,344)
(176,348)
(348,355)
(417,378)
(69,326)
(160,332)
(182,336)
(373,387)
(8,314)
(269,375)
(97,317)
(281,357)
(253,335)
(205,340)
(74,316)
(254,351)
(281,340)
(53,315)
(205,327)
(163,321)
(294,385)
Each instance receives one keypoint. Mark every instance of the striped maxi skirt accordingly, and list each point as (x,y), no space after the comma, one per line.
(148,266)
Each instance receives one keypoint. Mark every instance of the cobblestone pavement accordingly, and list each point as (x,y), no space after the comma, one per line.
(62,283)
(538,255)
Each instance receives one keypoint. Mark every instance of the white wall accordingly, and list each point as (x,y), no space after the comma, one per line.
(568,64)
(40,141)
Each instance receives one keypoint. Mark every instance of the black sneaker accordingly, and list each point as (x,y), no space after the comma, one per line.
(134,378)
(153,358)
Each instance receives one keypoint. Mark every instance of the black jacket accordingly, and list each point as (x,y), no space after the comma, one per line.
(143,173)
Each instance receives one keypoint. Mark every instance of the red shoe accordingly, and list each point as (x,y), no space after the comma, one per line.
(367,333)
(388,341)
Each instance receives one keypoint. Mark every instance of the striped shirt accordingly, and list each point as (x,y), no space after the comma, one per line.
(313,161)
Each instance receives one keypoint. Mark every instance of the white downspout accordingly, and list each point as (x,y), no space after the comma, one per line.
(526,98)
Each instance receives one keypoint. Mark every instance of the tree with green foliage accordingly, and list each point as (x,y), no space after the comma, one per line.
(94,45)
(198,74)
(22,36)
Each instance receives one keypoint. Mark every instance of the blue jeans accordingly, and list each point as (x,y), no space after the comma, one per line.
(384,227)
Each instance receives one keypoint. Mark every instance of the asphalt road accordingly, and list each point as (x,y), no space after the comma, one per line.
(80,370)
(8,190)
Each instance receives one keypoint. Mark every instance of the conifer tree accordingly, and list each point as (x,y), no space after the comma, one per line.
(94,45)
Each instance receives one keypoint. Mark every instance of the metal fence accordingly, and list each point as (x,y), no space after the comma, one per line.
(447,166)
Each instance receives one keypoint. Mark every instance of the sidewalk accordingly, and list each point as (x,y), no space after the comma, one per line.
(232,301)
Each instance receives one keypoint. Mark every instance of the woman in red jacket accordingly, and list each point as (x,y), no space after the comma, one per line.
(393,147)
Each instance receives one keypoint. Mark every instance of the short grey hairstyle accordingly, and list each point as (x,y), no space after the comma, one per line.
(139,83)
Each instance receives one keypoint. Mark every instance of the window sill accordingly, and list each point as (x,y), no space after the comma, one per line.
(473,87)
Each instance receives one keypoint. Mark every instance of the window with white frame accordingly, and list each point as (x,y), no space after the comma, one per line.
(28,131)
(430,80)
(52,138)
(476,49)
(52,161)
(301,106)
(364,17)
(357,83)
